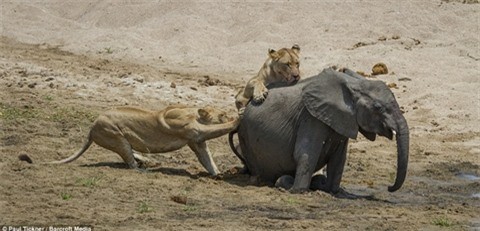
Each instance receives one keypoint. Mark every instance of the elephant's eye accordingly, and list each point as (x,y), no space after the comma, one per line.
(378,107)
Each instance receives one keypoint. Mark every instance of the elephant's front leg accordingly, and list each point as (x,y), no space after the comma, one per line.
(308,147)
(336,163)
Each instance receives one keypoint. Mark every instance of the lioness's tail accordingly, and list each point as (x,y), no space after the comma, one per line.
(76,155)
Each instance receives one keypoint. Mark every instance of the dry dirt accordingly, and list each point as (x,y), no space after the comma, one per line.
(64,62)
(50,97)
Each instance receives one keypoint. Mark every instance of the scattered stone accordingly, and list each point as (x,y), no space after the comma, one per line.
(360,44)
(382,38)
(49,79)
(207,81)
(25,157)
(416,41)
(363,74)
(463,1)
(139,79)
(32,85)
(179,199)
(392,85)
(379,69)
(404,79)
(395,37)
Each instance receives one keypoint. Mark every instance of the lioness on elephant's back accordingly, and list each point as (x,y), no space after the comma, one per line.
(125,129)
(282,66)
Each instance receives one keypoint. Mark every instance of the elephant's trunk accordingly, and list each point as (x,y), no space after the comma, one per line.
(402,138)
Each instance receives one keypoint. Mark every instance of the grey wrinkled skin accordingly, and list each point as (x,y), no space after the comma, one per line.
(302,128)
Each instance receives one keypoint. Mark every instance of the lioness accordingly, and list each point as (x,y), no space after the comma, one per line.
(125,129)
(280,66)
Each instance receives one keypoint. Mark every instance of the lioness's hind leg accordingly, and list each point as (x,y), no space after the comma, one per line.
(125,151)
(116,142)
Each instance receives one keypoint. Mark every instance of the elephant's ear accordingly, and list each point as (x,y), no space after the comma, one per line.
(369,135)
(329,99)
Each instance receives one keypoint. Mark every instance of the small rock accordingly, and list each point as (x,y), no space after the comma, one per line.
(32,85)
(212,82)
(379,69)
(49,79)
(25,157)
(137,78)
(209,81)
(194,88)
(392,85)
(363,74)
(173,85)
(179,199)
(404,79)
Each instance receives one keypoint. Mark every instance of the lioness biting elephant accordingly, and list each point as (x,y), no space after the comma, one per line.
(125,129)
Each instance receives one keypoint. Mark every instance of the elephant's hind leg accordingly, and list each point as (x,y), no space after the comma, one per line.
(308,148)
(319,182)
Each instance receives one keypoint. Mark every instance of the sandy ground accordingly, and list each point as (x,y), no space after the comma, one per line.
(64,62)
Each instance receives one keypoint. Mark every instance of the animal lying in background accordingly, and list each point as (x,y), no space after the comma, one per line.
(125,129)
(280,66)
(300,129)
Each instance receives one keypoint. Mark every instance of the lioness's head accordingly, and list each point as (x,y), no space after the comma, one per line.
(210,115)
(285,64)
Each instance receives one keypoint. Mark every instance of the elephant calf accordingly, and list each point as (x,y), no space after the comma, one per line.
(300,129)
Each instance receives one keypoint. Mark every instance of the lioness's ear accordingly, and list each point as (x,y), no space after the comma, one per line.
(296,48)
(204,114)
(272,53)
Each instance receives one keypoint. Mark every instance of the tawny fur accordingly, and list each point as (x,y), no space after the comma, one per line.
(280,66)
(125,129)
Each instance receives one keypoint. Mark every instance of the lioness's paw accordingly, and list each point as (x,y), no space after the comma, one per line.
(259,98)
(241,111)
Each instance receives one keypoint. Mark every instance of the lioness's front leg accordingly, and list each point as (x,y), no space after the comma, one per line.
(256,91)
(204,156)
(211,131)
(260,93)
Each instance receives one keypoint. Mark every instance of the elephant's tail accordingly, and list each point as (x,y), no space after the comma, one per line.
(235,150)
